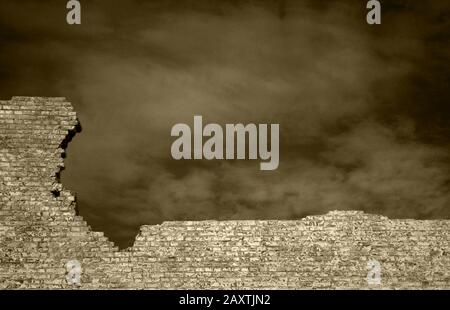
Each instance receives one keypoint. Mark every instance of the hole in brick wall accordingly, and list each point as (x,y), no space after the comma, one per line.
(77,129)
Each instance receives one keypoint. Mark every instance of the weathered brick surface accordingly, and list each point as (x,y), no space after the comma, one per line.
(40,232)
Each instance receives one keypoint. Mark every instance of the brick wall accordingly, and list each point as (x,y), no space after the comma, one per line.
(40,232)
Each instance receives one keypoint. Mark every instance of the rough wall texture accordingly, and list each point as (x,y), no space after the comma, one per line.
(40,232)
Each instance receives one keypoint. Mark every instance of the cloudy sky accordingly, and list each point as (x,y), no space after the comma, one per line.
(363,110)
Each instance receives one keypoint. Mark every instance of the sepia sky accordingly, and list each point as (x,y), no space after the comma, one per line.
(363,110)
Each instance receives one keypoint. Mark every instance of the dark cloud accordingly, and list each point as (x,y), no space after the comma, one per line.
(363,111)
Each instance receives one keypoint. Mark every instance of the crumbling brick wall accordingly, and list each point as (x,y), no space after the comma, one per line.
(40,232)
